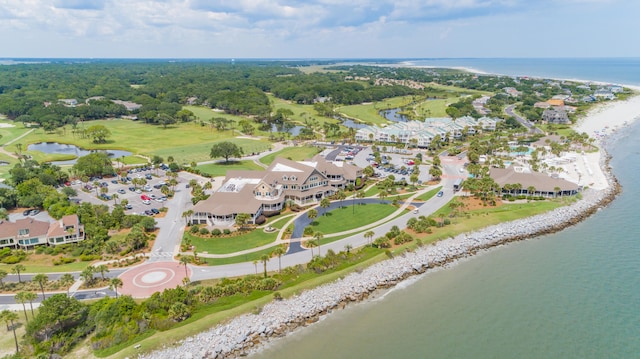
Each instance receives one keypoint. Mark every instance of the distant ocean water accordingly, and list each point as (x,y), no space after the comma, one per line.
(574,294)
(615,70)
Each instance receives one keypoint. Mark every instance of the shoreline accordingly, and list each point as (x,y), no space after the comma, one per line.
(248,333)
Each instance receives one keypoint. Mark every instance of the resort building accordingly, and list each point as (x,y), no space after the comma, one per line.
(556,115)
(517,182)
(265,192)
(29,232)
(423,133)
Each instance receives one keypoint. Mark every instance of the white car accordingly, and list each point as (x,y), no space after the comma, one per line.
(146,201)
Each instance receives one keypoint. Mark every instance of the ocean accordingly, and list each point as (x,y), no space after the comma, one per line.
(573,294)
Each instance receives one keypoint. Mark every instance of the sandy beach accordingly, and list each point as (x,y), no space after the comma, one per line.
(600,123)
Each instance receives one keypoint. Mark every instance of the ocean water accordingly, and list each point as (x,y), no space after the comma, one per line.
(613,70)
(573,294)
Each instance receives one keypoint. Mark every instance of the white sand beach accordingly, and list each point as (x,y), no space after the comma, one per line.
(600,123)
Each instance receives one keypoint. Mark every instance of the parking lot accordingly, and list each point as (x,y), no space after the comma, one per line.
(147,197)
(393,164)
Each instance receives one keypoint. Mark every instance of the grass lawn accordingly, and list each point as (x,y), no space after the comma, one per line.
(297,153)
(225,245)
(45,265)
(369,113)
(300,112)
(249,257)
(4,169)
(10,133)
(434,108)
(427,195)
(350,217)
(374,190)
(184,141)
(483,217)
(220,169)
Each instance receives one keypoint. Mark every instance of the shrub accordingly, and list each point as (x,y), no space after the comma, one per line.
(194,229)
(204,231)
(10,259)
(226,231)
(216,232)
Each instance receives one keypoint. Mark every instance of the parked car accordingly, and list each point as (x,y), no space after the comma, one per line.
(122,191)
(148,176)
(33,212)
(128,206)
(132,189)
(155,211)
(26,212)
(144,197)
(146,201)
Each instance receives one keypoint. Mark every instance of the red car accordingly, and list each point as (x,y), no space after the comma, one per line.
(144,197)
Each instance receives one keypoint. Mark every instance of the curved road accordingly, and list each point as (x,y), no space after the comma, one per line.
(509,110)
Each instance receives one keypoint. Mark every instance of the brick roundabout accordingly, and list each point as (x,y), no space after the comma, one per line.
(146,279)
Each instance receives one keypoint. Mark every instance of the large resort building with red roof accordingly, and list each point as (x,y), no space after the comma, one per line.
(266,192)
(29,232)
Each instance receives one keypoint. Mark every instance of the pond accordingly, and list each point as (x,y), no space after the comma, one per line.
(351,123)
(294,131)
(393,114)
(65,149)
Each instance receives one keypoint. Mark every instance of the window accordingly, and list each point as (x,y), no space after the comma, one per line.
(293,178)
(285,178)
(23,232)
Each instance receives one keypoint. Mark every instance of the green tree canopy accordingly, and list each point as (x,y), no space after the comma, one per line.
(226,150)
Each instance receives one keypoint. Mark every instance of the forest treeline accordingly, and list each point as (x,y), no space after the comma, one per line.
(35,92)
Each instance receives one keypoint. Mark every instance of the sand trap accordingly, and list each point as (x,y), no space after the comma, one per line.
(6,125)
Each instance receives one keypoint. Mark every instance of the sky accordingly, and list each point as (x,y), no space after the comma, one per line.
(318,28)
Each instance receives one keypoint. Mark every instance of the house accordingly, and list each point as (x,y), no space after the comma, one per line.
(265,192)
(604,94)
(29,232)
(555,115)
(130,106)
(511,91)
(616,89)
(69,102)
(541,184)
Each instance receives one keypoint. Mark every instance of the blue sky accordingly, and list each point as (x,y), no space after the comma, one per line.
(318,28)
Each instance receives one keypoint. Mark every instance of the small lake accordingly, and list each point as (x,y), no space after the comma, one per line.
(65,149)
(351,123)
(294,131)
(393,114)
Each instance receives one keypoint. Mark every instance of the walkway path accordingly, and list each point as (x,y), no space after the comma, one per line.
(11,154)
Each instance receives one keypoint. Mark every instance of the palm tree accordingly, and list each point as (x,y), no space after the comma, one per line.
(67,280)
(9,317)
(41,279)
(20,298)
(17,269)
(368,235)
(87,274)
(264,259)
(185,260)
(187,214)
(102,269)
(279,251)
(31,297)
(348,247)
(3,275)
(255,264)
(325,203)
(318,236)
(114,284)
(312,214)
(341,196)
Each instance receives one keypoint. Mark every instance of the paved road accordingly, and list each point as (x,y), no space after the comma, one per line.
(523,121)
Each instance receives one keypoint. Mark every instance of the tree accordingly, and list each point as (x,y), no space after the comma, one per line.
(242,219)
(17,269)
(20,297)
(226,149)
(368,171)
(312,214)
(67,280)
(318,236)
(31,297)
(279,252)
(185,260)
(435,172)
(102,269)
(57,315)
(340,195)
(9,317)
(99,133)
(41,279)
(325,203)
(264,259)
(87,275)
(114,284)
(3,275)
(369,235)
